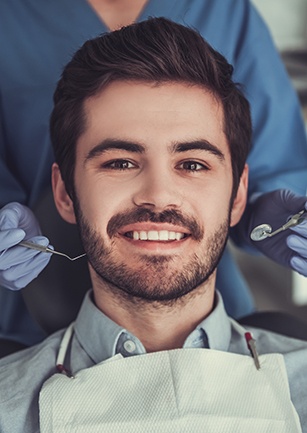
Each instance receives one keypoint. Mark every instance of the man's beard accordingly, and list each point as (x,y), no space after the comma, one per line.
(159,278)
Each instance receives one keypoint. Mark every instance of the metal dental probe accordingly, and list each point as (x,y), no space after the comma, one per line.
(264,231)
(43,249)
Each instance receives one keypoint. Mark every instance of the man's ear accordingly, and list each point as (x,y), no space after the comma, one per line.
(239,202)
(62,200)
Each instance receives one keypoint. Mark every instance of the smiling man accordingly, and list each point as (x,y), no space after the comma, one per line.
(139,174)
(151,137)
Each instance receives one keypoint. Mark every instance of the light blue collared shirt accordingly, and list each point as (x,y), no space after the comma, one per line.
(214,332)
(97,338)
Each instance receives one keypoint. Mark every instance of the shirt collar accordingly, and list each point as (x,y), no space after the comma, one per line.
(217,326)
(97,334)
(100,336)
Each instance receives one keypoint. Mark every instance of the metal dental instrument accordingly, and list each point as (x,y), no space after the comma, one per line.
(264,231)
(43,249)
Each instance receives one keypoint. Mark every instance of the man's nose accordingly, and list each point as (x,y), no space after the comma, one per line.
(158,190)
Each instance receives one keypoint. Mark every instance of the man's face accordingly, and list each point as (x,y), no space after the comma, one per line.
(153,181)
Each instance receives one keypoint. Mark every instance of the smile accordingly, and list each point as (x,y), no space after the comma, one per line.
(155,235)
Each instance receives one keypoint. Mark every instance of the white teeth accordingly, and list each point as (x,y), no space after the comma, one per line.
(143,236)
(136,236)
(172,236)
(163,235)
(154,235)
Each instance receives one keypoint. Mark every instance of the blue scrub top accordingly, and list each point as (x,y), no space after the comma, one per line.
(37,40)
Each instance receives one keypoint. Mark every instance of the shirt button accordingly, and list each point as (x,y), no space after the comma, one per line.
(129,346)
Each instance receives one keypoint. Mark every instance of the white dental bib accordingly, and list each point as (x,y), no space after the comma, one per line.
(182,390)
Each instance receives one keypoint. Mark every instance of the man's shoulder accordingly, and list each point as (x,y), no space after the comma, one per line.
(272,342)
(31,363)
(294,352)
(21,377)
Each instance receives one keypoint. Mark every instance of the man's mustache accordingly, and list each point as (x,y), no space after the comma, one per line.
(170,216)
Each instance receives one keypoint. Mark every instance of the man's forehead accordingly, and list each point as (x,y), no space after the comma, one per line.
(122,93)
(137,111)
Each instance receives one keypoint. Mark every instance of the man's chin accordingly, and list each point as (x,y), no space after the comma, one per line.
(152,282)
(154,295)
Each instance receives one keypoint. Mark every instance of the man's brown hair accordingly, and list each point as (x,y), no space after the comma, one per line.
(156,51)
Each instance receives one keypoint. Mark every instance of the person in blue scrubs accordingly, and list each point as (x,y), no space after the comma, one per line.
(38,39)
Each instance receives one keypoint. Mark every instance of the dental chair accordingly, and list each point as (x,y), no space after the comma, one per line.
(54,298)
(10,346)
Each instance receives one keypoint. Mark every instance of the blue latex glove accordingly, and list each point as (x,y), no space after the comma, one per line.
(19,265)
(288,248)
(298,243)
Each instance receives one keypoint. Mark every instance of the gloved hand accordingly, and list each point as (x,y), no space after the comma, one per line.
(20,265)
(289,247)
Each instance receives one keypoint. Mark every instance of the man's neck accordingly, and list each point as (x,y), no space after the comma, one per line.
(158,326)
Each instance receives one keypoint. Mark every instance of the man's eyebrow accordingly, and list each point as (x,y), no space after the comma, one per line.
(111,144)
(198,145)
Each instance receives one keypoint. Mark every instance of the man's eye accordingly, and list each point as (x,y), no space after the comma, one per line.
(119,164)
(192,166)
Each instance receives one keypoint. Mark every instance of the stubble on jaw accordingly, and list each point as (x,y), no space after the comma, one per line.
(157,282)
